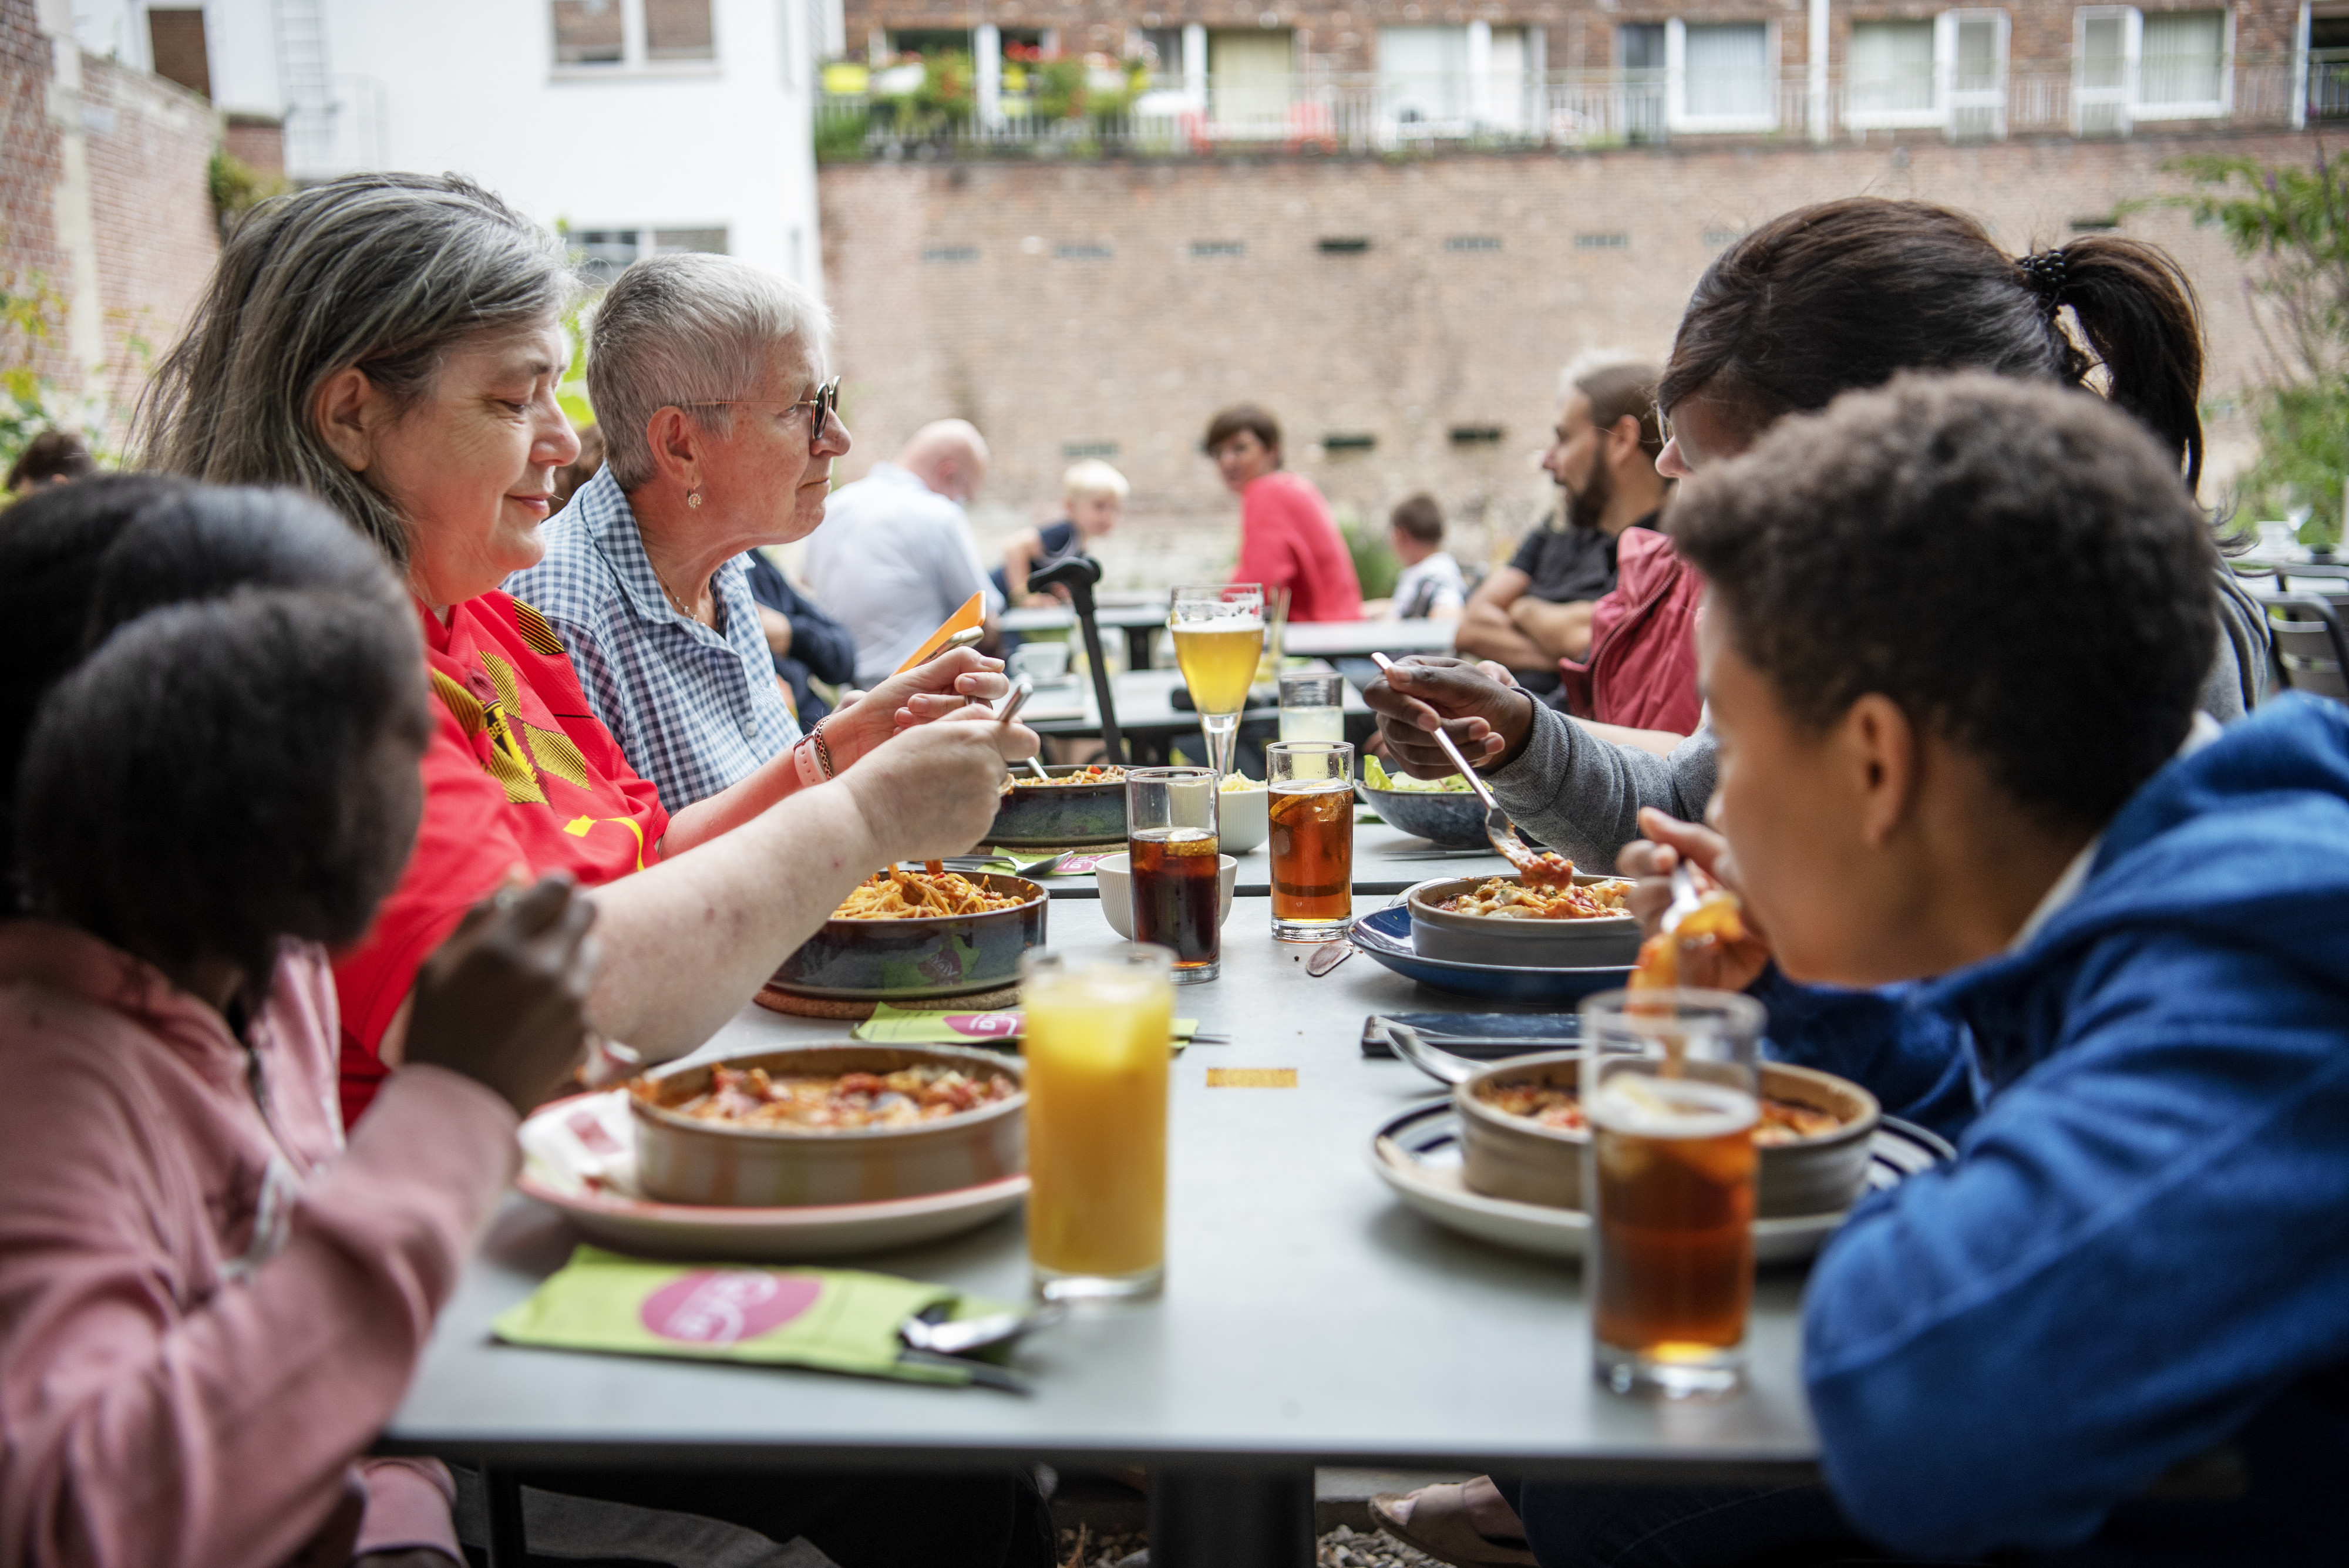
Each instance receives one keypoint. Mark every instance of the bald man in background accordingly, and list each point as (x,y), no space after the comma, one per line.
(895,554)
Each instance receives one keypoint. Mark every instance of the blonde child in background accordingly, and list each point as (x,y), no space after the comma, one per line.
(1092,494)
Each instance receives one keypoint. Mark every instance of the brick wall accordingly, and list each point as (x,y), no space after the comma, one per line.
(29,173)
(1066,307)
(149,142)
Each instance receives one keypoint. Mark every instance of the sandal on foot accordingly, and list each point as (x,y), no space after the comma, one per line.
(1435,1519)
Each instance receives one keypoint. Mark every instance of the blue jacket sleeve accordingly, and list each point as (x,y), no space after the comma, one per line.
(1914,1061)
(820,642)
(2144,1245)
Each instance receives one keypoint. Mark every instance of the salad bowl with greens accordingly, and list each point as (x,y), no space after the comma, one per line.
(1444,812)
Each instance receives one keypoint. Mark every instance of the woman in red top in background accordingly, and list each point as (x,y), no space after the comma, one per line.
(391,343)
(1287,539)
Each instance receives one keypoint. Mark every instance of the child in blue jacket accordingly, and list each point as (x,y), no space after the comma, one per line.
(1952,649)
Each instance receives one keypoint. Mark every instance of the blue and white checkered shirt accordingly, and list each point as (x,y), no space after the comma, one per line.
(694,711)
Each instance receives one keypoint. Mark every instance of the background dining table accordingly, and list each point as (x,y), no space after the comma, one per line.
(1309,1319)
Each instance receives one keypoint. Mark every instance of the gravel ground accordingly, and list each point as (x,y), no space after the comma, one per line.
(1344,1547)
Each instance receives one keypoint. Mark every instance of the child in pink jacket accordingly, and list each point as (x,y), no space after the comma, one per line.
(208,1303)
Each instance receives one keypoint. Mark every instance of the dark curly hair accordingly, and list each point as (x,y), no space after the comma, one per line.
(1843,295)
(221,776)
(50,547)
(210,540)
(2017,566)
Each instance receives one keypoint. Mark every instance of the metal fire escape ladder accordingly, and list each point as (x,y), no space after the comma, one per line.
(301,29)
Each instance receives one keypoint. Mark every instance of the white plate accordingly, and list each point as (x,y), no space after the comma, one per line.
(579,1156)
(1417,1155)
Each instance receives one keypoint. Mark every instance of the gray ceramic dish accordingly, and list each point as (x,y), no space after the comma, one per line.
(1503,1156)
(1605,943)
(1058,817)
(1448,821)
(681,1159)
(940,955)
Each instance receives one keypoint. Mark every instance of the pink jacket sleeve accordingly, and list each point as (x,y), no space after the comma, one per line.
(139,1434)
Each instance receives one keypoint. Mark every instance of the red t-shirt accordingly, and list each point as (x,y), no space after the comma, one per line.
(520,778)
(1288,541)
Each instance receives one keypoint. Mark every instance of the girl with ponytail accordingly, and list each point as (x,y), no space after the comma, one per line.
(1818,302)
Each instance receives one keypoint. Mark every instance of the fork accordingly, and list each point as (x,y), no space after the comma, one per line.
(1498,829)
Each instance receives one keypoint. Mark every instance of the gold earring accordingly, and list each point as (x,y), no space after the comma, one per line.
(693,498)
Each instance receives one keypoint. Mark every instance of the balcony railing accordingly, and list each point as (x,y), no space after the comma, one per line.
(1376,113)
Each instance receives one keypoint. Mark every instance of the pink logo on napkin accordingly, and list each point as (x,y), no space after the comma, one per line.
(985,1025)
(726,1307)
(1078,865)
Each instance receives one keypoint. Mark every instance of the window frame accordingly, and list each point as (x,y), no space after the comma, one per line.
(2218,107)
(1677,118)
(635,59)
(2129,97)
(1941,115)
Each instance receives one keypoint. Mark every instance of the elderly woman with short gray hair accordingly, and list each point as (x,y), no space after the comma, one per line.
(392,344)
(708,378)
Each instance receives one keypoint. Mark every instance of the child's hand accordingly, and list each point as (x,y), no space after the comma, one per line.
(1714,964)
(505,999)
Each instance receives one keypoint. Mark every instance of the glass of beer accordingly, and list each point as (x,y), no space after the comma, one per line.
(1671,1094)
(1171,828)
(1312,707)
(1219,635)
(1312,812)
(1098,1043)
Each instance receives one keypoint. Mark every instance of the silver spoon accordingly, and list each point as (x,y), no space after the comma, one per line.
(960,1336)
(1498,829)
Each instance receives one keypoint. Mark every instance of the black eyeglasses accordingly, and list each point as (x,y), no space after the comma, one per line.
(824,407)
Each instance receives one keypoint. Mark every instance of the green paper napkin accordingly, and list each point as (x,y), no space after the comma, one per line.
(909,1026)
(839,1320)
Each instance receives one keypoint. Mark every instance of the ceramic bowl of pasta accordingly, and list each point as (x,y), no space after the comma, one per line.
(915,931)
(1069,808)
(829,1124)
(1499,920)
(1522,1135)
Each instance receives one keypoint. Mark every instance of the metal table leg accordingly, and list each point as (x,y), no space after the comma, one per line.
(507,1546)
(1210,1518)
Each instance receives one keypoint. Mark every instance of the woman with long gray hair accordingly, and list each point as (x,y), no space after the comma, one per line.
(391,343)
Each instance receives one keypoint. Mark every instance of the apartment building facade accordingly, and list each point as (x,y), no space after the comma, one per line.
(1385,74)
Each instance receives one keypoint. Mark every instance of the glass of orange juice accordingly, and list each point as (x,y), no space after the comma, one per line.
(1099,1040)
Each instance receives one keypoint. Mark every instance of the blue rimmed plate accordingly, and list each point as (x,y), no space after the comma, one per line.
(1386,936)
(1417,1155)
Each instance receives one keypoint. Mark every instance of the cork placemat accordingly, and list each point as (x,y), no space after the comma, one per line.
(854,1011)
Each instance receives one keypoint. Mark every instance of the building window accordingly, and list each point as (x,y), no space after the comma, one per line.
(1642,53)
(1456,80)
(1248,80)
(603,252)
(1948,72)
(175,42)
(928,43)
(2130,65)
(1721,75)
(679,30)
(596,37)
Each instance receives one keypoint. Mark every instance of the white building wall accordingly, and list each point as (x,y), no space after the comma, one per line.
(455,85)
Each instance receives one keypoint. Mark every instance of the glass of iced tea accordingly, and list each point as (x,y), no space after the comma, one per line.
(1218,636)
(1098,1043)
(1312,812)
(1171,833)
(1671,1091)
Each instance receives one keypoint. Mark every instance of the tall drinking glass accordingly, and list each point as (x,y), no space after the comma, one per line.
(1219,635)
(1671,1091)
(1098,1045)
(1171,833)
(1312,812)
(1312,707)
